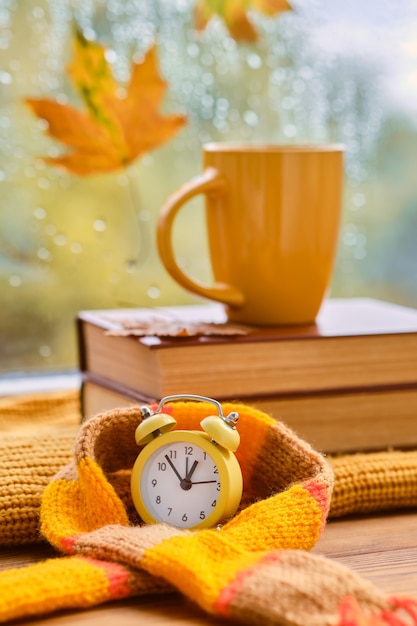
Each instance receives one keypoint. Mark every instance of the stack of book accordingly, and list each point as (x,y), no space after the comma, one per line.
(345,383)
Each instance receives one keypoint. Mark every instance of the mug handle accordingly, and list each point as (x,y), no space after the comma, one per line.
(210,182)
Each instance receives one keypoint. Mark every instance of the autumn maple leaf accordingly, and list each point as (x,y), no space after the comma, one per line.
(119,124)
(234,14)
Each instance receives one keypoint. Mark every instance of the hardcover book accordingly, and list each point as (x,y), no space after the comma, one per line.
(333,422)
(354,343)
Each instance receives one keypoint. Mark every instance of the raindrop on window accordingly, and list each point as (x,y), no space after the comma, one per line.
(45,351)
(147,160)
(39,213)
(89,34)
(254,61)
(349,239)
(290,130)
(62,98)
(358,200)
(351,228)
(60,240)
(99,226)
(44,183)
(193,50)
(221,125)
(144,216)
(50,229)
(207,79)
(38,13)
(288,103)
(42,124)
(43,254)
(359,253)
(53,151)
(222,104)
(15,281)
(207,101)
(207,59)
(154,292)
(5,78)
(76,248)
(250,118)
(110,56)
(299,86)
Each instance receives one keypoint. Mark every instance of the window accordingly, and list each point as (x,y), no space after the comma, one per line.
(328,71)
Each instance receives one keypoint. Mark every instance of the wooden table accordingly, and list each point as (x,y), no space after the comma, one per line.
(382,548)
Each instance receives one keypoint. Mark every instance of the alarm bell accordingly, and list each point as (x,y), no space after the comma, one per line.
(220,428)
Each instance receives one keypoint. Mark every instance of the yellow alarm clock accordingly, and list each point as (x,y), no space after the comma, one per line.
(186,478)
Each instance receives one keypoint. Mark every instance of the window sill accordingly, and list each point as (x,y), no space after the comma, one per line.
(14,384)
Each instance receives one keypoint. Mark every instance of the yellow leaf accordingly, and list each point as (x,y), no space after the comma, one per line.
(91,75)
(234,14)
(116,128)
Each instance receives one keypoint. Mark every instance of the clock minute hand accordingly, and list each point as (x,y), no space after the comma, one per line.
(174,468)
(204,482)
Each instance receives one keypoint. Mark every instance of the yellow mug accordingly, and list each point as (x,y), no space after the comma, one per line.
(273,215)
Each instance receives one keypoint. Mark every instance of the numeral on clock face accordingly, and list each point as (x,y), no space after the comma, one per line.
(180,484)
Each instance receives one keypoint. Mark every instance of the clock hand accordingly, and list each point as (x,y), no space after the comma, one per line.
(192,470)
(174,468)
(204,482)
(186,483)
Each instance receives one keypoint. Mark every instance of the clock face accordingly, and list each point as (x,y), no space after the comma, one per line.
(180,484)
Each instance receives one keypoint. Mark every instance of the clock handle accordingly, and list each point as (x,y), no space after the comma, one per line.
(220,428)
(230,419)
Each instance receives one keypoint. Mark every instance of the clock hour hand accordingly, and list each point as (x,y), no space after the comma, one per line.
(192,470)
(186,483)
(174,468)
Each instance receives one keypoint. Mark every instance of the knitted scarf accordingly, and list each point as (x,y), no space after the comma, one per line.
(255,569)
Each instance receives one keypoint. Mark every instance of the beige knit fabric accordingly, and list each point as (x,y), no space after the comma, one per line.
(37,436)
(374,482)
(39,412)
